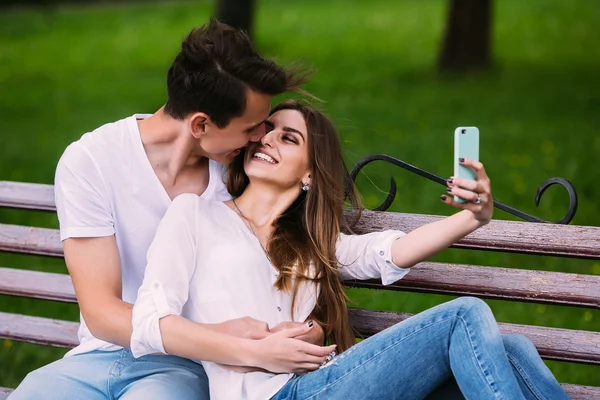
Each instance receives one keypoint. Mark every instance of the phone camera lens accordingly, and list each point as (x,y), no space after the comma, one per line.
(463,131)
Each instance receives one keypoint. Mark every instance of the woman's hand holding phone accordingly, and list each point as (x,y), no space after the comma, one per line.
(478,193)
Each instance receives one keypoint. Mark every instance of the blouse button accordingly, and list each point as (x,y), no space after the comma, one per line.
(156,286)
(381,253)
(278,308)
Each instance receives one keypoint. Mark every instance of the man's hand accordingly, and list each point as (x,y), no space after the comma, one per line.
(315,335)
(245,327)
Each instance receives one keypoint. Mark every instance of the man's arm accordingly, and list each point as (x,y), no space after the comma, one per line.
(95,269)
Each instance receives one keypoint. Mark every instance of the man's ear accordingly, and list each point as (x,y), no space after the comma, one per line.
(199,124)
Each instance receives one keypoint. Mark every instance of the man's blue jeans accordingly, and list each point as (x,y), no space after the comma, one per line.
(102,375)
(458,341)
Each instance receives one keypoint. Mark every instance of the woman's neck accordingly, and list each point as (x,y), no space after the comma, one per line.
(262,204)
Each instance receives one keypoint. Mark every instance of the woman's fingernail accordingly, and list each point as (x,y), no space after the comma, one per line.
(461,159)
(443,197)
(448,189)
(310,323)
(450,180)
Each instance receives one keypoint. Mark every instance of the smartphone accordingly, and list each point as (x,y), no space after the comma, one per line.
(466,145)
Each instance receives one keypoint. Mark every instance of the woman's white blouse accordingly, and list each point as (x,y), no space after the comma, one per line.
(205,265)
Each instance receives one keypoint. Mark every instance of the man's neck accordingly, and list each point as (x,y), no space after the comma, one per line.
(168,145)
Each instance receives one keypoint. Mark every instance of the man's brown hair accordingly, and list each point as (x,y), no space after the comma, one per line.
(216,66)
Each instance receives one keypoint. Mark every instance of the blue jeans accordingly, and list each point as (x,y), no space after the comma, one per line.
(115,375)
(458,341)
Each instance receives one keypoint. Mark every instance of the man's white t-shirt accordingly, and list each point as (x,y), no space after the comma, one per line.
(105,186)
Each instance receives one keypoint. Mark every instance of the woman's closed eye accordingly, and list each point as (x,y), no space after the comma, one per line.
(289,138)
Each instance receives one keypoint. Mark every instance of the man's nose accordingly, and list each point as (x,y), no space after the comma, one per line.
(258,134)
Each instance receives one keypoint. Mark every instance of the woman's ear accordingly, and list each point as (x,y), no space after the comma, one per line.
(307,180)
(199,124)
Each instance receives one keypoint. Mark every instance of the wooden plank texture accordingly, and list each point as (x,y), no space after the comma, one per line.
(522,237)
(497,283)
(34,196)
(454,279)
(510,236)
(552,343)
(39,285)
(580,392)
(25,239)
(4,392)
(39,330)
(575,392)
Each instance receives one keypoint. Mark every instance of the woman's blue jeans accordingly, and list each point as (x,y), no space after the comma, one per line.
(458,341)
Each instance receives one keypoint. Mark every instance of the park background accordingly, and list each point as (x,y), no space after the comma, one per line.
(68,68)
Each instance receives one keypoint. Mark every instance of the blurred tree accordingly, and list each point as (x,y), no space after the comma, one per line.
(238,13)
(468,34)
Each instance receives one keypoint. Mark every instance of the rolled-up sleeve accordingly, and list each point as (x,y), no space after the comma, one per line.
(369,256)
(171,262)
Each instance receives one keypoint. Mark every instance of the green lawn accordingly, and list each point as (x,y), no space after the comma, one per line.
(67,70)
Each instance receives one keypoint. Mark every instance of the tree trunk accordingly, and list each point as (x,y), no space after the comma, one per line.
(468,35)
(237,13)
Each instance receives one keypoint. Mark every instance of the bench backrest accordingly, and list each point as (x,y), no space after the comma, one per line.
(432,277)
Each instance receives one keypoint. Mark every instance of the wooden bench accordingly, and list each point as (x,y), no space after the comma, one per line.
(431,277)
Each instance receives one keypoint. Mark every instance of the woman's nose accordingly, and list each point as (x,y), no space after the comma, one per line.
(266,139)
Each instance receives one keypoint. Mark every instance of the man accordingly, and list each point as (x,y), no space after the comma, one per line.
(112,188)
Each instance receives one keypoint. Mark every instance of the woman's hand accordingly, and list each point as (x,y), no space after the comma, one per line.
(477,193)
(281,352)
(315,336)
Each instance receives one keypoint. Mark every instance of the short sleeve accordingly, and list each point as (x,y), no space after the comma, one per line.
(369,256)
(81,196)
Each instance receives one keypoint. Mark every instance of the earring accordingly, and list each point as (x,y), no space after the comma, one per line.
(305,186)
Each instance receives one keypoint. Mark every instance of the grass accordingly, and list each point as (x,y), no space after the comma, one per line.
(70,69)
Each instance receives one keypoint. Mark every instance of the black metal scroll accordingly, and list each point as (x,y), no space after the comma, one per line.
(511,210)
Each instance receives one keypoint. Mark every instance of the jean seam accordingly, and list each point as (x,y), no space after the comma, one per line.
(110,376)
(525,377)
(482,367)
(329,385)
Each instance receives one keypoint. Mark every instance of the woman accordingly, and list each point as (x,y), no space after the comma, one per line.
(276,253)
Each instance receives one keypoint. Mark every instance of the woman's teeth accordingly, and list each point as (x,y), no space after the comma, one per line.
(265,157)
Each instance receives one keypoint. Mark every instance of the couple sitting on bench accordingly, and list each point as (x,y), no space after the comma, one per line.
(207,245)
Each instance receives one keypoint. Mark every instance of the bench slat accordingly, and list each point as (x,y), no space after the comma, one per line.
(497,283)
(454,279)
(575,392)
(33,196)
(580,392)
(4,392)
(510,236)
(39,285)
(51,332)
(552,343)
(25,239)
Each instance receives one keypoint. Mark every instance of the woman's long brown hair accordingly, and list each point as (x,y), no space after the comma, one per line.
(305,234)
